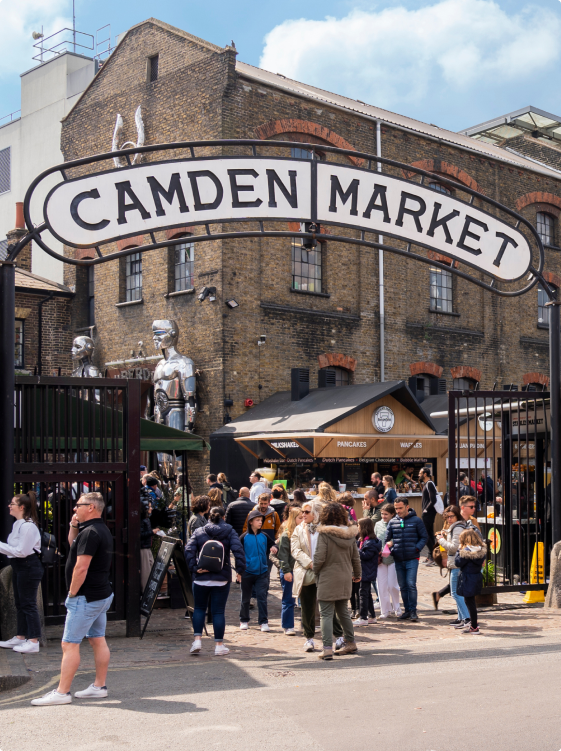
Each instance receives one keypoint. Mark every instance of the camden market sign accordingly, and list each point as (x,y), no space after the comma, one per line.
(101,208)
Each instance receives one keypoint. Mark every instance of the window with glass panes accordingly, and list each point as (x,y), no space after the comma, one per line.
(306,267)
(18,354)
(543,312)
(184,262)
(133,277)
(440,290)
(544,225)
(440,188)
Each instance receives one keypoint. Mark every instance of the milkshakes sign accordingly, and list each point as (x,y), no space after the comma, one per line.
(100,208)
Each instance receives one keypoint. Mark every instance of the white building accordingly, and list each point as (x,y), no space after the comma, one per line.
(31,143)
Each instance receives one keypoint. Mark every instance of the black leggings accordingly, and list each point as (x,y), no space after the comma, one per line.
(428,521)
(472,607)
(355,597)
(366,601)
(444,591)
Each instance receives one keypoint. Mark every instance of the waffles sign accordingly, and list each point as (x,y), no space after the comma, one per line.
(129,201)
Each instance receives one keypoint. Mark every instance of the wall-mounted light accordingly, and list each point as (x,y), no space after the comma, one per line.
(262,340)
(232,303)
(209,292)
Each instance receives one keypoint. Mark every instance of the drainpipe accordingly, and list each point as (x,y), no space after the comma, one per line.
(40,333)
(381,271)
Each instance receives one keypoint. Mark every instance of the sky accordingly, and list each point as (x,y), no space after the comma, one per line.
(453,63)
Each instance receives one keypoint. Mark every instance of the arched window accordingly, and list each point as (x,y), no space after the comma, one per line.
(183,265)
(545,225)
(534,387)
(297,153)
(333,377)
(440,188)
(463,384)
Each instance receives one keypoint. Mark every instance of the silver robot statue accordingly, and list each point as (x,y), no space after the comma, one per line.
(82,353)
(174,380)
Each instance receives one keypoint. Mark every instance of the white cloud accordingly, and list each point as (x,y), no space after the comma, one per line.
(18,19)
(395,56)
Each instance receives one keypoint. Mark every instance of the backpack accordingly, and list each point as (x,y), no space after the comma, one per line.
(211,556)
(229,495)
(49,551)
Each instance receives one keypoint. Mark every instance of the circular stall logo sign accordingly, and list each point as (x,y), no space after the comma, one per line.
(383,419)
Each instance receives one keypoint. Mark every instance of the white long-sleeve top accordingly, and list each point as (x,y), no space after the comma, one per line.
(22,540)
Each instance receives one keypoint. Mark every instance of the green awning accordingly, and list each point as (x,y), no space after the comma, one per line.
(156,437)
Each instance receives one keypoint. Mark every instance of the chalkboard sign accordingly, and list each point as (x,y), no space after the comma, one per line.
(171,550)
(353,475)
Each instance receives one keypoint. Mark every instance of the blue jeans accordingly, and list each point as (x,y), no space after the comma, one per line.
(85,619)
(218,597)
(463,611)
(287,603)
(407,579)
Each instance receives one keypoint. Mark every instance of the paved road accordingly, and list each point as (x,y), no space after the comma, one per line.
(486,693)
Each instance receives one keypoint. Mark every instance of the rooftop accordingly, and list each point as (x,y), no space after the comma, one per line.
(529,120)
(28,282)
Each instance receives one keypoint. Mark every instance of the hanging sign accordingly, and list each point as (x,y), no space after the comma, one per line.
(106,206)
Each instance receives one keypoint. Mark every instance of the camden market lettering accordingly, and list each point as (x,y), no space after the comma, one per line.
(100,208)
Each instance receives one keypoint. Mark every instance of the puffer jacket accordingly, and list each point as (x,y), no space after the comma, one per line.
(470,560)
(225,534)
(301,549)
(409,536)
(336,562)
(452,542)
(369,552)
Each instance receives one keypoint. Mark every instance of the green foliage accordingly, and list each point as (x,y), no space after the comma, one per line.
(488,572)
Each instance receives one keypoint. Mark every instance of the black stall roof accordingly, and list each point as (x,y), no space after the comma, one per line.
(319,409)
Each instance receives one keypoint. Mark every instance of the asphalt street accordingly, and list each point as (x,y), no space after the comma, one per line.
(500,694)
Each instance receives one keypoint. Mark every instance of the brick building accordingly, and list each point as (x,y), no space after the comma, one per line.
(319,312)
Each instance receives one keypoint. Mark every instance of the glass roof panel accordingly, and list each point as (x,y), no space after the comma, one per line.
(506,131)
(544,122)
(526,119)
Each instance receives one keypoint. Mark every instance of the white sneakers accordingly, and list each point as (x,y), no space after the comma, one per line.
(340,643)
(27,647)
(244,626)
(195,647)
(289,632)
(265,627)
(360,622)
(92,692)
(53,697)
(309,646)
(11,643)
(221,650)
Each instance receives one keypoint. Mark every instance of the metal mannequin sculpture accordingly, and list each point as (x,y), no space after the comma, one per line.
(82,352)
(174,381)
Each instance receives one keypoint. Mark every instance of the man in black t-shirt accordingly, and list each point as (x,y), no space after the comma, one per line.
(89,598)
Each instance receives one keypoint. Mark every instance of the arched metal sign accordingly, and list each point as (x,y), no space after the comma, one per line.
(96,209)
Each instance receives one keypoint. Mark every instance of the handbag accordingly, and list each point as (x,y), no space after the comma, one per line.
(439,505)
(309,578)
(386,551)
(49,551)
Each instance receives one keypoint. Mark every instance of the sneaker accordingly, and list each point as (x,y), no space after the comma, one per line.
(397,613)
(414,617)
(404,616)
(473,630)
(456,622)
(53,697)
(289,632)
(372,620)
(195,647)
(340,643)
(221,650)
(309,646)
(11,643)
(385,617)
(360,622)
(92,692)
(244,626)
(463,624)
(326,654)
(27,647)
(265,627)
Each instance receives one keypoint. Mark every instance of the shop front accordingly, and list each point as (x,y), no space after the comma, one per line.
(338,435)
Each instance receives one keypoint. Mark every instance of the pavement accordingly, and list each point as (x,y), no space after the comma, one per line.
(416,687)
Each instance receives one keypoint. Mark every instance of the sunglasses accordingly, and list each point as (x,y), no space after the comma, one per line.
(82,504)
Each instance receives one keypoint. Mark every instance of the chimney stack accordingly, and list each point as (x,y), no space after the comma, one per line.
(23,260)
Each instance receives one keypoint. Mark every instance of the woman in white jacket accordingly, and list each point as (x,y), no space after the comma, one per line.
(23,548)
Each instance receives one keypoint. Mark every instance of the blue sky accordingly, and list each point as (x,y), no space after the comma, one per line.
(453,63)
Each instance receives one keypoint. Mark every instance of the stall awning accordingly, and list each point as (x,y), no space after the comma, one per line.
(156,437)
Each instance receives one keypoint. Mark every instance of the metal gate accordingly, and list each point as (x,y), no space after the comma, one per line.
(499,445)
(73,436)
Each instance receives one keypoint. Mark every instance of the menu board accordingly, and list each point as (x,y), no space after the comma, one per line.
(353,475)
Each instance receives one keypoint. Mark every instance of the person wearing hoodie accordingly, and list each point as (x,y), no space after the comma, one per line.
(469,559)
(271,520)
(257,545)
(369,548)
(406,535)
(450,541)
(336,564)
(209,586)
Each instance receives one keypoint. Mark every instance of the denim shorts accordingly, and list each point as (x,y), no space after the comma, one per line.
(85,619)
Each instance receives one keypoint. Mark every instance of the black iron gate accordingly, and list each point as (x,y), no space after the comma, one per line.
(499,445)
(74,436)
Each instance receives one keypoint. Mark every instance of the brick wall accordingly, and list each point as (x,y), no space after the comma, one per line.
(57,333)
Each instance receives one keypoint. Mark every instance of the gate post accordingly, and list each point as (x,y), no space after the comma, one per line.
(452,448)
(555,391)
(7,385)
(133,507)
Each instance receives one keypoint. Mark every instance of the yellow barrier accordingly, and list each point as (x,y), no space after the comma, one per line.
(537,575)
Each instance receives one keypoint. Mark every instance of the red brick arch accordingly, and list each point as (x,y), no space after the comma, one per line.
(130,242)
(276,127)
(430,368)
(444,168)
(552,278)
(528,378)
(465,371)
(337,360)
(538,196)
